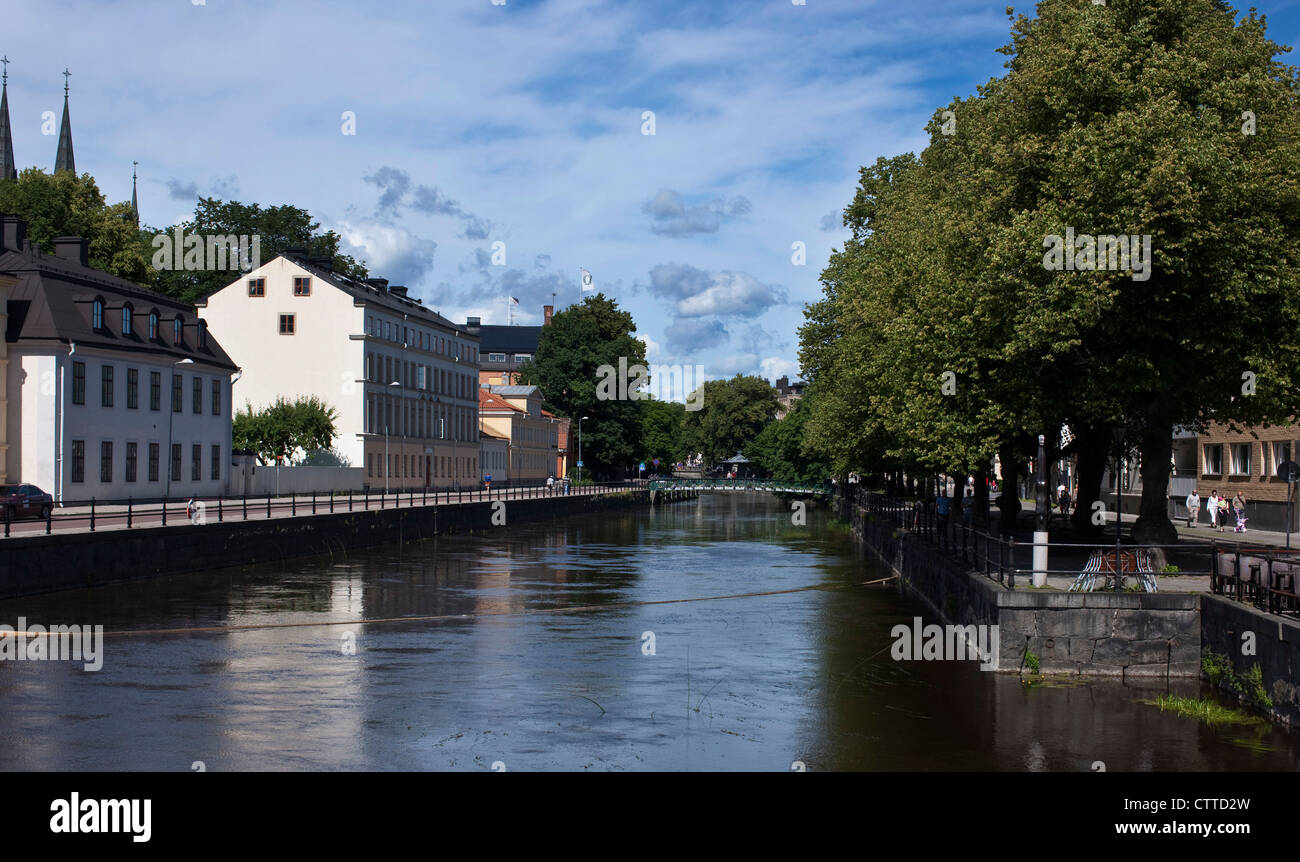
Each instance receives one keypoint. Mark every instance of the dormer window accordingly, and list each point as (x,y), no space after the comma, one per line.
(126,320)
(203,335)
(97,314)
(177,330)
(153,325)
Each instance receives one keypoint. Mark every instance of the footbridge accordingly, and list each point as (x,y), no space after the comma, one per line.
(747,486)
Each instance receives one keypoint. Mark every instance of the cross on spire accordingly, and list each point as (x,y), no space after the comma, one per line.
(5,61)
(66,76)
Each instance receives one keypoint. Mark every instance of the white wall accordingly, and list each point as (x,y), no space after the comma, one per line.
(297,480)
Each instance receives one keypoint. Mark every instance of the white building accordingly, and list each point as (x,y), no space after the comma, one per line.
(112,391)
(402,378)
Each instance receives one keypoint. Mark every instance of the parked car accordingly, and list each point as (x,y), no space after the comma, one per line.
(25,501)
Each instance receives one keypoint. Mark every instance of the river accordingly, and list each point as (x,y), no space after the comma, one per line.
(713,634)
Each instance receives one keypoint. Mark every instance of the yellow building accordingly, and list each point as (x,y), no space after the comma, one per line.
(515,413)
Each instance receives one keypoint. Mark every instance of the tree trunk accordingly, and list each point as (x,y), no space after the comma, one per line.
(1090,454)
(1153,526)
(981,495)
(1009,487)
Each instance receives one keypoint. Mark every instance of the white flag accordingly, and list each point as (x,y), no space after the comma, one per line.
(514,301)
(586,281)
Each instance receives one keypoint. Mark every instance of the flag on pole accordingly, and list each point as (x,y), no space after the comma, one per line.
(586,280)
(514,301)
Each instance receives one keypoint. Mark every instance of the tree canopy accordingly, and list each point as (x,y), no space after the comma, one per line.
(284,428)
(732,414)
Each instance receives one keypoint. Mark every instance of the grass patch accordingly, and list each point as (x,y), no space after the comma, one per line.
(1204,709)
(1248,686)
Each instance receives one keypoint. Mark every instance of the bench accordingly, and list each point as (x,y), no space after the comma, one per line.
(1103,566)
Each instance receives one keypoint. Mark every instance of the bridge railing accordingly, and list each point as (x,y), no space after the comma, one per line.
(740,485)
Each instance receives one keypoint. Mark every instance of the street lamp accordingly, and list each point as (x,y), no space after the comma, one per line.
(388,469)
(167,491)
(580,448)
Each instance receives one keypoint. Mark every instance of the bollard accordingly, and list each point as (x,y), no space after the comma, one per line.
(313,502)
(331,502)
(268,506)
(164,511)
(245,505)
(128,513)
(220,515)
(92,514)
(293,504)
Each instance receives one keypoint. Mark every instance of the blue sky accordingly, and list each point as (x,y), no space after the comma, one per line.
(522,124)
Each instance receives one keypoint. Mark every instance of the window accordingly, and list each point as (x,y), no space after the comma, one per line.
(106,461)
(126,320)
(78,383)
(97,314)
(130,461)
(153,325)
(178,331)
(388,334)
(106,386)
(203,335)
(1213,459)
(257,287)
(196,462)
(522,357)
(286,324)
(153,462)
(216,397)
(176,462)
(1281,452)
(216,461)
(198,394)
(1241,459)
(132,388)
(78,460)
(178,395)
(155,390)
(496,357)
(301,286)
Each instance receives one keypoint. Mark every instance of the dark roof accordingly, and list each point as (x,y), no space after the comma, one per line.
(372,294)
(509,339)
(52,301)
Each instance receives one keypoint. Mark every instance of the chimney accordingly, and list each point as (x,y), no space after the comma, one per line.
(72,248)
(15,233)
(379,284)
(472,324)
(547,311)
(398,289)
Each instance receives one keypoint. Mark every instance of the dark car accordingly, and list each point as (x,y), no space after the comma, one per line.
(25,501)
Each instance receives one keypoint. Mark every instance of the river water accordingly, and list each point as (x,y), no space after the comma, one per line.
(567,645)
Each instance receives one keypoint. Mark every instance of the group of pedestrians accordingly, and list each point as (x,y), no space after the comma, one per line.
(1217,509)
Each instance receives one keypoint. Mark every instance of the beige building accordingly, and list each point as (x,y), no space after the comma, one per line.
(1247,461)
(515,413)
(403,379)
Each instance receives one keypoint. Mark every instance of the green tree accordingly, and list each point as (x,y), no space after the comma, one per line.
(305,424)
(279,228)
(662,434)
(779,449)
(576,354)
(68,204)
(732,414)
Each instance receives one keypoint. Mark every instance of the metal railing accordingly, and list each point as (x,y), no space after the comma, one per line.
(768,485)
(155,512)
(1262,576)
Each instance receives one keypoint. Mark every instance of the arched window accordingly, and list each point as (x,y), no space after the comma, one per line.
(176,330)
(126,319)
(97,314)
(153,325)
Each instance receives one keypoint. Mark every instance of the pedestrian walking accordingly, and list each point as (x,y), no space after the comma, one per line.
(1193,507)
(1212,508)
(1239,506)
(566,485)
(1223,513)
(1063,502)
(941,508)
(968,507)
(550,484)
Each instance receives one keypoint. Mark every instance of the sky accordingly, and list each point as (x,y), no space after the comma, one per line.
(498,148)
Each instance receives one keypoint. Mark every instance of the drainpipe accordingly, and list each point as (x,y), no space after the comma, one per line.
(61,421)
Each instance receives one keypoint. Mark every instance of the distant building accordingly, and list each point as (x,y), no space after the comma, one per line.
(505,348)
(786,394)
(515,413)
(494,455)
(562,441)
(403,379)
(110,390)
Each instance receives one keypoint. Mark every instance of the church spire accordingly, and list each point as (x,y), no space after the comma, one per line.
(64,161)
(8,170)
(135,202)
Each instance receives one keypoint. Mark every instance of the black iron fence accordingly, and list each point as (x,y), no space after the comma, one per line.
(155,512)
(1260,575)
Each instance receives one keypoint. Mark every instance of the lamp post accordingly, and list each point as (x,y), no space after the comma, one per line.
(171,410)
(580,448)
(1041,513)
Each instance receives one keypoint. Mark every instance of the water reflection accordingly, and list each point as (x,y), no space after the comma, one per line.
(527,647)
